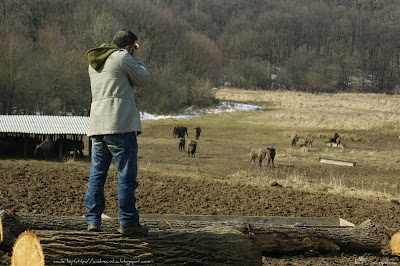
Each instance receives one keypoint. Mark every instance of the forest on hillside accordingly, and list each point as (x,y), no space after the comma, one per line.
(192,46)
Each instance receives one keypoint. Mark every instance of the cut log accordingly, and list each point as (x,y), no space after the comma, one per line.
(395,244)
(76,247)
(210,246)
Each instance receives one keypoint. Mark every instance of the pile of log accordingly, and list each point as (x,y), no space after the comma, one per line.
(176,239)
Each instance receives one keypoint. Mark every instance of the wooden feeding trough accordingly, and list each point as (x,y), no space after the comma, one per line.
(177,239)
(337,162)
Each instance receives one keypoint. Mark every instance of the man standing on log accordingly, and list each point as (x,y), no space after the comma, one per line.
(114,125)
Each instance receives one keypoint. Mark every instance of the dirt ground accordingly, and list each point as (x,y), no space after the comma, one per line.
(58,188)
(221,181)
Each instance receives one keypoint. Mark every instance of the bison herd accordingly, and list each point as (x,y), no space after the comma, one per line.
(11,145)
(259,153)
(180,132)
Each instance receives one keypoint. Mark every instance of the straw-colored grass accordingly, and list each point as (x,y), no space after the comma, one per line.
(327,111)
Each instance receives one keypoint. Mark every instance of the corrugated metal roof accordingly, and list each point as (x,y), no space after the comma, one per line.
(43,124)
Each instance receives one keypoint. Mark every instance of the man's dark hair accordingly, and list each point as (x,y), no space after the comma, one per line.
(123,38)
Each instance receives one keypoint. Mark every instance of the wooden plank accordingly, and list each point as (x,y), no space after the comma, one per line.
(337,162)
(272,220)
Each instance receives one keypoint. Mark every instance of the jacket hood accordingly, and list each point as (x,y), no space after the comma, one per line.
(98,56)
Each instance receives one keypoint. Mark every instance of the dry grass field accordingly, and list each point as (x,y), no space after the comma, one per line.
(221,180)
(369,126)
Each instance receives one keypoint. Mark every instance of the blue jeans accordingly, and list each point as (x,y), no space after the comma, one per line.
(123,148)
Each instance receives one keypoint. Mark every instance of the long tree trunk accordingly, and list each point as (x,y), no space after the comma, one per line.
(218,245)
(272,235)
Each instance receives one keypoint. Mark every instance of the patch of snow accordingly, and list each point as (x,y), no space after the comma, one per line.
(223,107)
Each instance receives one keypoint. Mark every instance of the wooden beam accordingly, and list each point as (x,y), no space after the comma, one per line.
(337,162)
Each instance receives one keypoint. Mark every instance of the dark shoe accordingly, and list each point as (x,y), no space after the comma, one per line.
(94,228)
(135,230)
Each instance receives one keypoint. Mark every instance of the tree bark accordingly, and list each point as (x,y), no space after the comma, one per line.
(213,245)
(280,240)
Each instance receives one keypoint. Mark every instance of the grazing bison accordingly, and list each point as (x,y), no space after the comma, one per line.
(336,135)
(258,154)
(335,139)
(198,131)
(180,132)
(182,144)
(271,155)
(294,138)
(45,149)
(191,148)
(307,142)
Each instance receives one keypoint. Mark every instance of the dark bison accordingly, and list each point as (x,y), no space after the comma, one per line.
(180,132)
(191,148)
(271,155)
(182,144)
(45,149)
(335,139)
(198,131)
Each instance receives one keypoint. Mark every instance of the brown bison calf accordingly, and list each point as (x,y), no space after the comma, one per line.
(294,139)
(258,154)
(182,145)
(307,142)
(191,148)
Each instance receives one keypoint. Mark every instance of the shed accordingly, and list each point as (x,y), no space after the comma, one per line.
(25,127)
